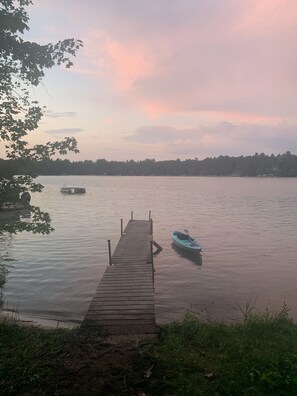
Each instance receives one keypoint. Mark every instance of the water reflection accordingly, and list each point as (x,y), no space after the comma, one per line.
(246,228)
(191,256)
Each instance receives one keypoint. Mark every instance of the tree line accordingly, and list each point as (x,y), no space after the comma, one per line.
(281,165)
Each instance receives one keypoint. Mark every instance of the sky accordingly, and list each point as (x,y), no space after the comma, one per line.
(170,79)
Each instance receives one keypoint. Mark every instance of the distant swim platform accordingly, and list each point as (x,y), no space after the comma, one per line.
(73,190)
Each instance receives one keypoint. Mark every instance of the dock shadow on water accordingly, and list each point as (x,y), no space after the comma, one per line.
(196,258)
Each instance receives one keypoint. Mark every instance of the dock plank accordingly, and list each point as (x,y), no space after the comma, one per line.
(124,300)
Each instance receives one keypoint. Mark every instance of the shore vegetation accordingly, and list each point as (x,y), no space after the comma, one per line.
(193,356)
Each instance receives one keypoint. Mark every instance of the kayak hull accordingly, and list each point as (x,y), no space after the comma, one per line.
(185,242)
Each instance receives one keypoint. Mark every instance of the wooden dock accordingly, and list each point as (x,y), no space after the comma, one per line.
(124,300)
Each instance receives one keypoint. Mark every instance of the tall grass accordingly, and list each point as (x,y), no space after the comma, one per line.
(28,357)
(257,357)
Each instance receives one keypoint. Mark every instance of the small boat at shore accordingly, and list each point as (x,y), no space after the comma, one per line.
(184,241)
(13,213)
(73,190)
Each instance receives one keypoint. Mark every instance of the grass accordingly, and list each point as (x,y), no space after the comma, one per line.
(258,357)
(192,357)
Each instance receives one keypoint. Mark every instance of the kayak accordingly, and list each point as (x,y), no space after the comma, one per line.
(184,241)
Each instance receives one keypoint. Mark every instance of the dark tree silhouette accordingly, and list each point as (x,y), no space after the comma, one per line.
(22,65)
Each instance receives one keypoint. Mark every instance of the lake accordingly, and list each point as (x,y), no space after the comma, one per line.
(247,228)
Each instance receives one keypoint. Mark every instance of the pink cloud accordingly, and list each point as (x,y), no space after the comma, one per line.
(235,57)
(129,62)
(194,62)
(122,63)
(266,17)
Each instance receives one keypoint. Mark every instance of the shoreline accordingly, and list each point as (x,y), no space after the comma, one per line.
(36,321)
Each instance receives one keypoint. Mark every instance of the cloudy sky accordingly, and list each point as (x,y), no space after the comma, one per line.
(171,79)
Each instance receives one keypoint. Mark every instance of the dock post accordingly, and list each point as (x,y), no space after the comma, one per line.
(121,227)
(132,215)
(152,261)
(150,215)
(109,252)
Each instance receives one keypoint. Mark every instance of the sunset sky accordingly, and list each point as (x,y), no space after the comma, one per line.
(171,79)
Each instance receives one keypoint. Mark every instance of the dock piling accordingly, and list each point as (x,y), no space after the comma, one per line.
(109,251)
(152,261)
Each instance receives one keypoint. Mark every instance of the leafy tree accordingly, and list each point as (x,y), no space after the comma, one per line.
(22,65)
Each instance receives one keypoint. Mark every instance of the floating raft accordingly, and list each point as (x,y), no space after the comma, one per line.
(124,300)
(72,190)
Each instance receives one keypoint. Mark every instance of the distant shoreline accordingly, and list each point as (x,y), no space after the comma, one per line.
(258,165)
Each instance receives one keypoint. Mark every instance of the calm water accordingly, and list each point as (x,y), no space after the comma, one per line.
(247,228)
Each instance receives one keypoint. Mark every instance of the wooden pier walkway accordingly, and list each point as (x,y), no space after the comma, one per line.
(124,300)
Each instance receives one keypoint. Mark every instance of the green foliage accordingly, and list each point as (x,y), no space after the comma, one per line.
(23,64)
